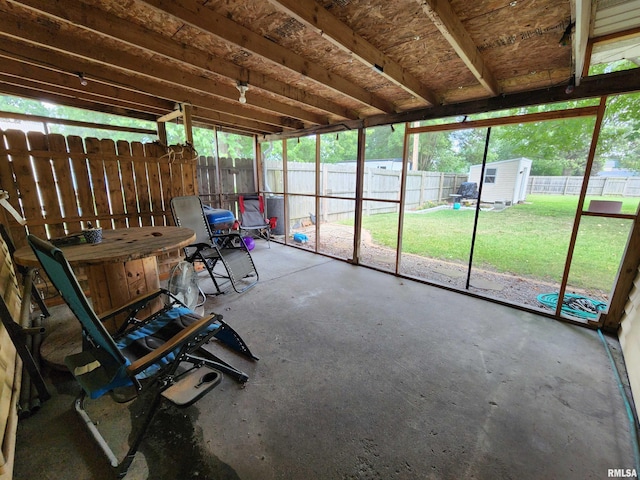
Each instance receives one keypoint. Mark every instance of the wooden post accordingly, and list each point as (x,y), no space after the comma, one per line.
(611,320)
(578,217)
(359,195)
(162,132)
(187,108)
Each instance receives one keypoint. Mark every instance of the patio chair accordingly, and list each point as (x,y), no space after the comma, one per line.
(252,217)
(163,354)
(225,256)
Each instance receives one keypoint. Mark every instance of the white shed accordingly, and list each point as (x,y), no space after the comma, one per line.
(504,181)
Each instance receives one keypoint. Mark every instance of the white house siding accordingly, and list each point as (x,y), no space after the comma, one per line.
(509,180)
(629,336)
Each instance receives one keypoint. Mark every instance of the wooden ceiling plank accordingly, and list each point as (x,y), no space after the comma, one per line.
(450,26)
(47,36)
(326,24)
(96,73)
(208,21)
(107,24)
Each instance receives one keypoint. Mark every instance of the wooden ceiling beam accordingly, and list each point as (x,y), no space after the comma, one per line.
(95,74)
(314,16)
(59,99)
(206,20)
(105,23)
(202,115)
(47,36)
(627,81)
(70,84)
(450,26)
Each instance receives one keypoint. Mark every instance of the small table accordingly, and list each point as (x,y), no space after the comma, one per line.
(122,266)
(455,198)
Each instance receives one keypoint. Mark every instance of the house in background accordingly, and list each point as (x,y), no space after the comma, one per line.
(504,181)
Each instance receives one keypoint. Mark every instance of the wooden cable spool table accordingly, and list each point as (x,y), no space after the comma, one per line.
(119,268)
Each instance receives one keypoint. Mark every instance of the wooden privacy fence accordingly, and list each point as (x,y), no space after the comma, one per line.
(598,186)
(236,177)
(339,180)
(59,184)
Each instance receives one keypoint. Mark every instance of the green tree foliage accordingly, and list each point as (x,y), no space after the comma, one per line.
(558,147)
(302,149)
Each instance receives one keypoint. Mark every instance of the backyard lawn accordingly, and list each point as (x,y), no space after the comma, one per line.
(528,240)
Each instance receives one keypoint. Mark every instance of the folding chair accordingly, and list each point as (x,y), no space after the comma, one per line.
(225,256)
(252,218)
(163,354)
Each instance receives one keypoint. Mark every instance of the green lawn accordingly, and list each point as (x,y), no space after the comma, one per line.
(529,240)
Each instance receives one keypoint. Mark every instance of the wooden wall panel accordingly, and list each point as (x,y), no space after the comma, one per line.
(629,336)
(10,365)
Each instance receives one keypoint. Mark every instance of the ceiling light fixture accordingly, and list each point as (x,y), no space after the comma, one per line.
(242,88)
(83,81)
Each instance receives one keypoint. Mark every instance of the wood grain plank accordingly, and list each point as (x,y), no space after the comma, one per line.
(98,181)
(142,184)
(153,152)
(114,183)
(128,183)
(62,169)
(165,174)
(80,170)
(8,184)
(46,185)
(99,290)
(25,180)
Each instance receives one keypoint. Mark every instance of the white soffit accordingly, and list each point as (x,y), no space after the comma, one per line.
(614,16)
(628,48)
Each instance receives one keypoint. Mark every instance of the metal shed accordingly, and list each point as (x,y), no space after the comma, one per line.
(504,181)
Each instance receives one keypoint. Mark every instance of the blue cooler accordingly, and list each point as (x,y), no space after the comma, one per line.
(218,218)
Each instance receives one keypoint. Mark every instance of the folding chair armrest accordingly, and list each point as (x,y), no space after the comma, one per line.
(135,303)
(177,340)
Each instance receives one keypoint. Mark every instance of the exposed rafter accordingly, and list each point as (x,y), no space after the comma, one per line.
(50,37)
(314,16)
(451,28)
(98,76)
(311,65)
(211,22)
(110,25)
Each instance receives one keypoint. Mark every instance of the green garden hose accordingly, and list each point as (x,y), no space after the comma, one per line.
(573,304)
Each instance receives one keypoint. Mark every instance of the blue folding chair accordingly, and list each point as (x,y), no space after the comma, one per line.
(162,353)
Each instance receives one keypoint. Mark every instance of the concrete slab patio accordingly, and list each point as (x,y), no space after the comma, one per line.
(363,375)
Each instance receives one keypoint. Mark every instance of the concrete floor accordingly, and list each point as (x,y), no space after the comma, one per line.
(363,375)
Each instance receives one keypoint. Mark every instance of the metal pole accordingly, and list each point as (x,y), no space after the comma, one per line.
(475,220)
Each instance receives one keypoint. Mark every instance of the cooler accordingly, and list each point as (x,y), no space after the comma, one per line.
(219,219)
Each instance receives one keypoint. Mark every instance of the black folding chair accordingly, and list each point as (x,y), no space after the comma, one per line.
(225,256)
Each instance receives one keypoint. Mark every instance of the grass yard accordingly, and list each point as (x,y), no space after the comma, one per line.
(529,240)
